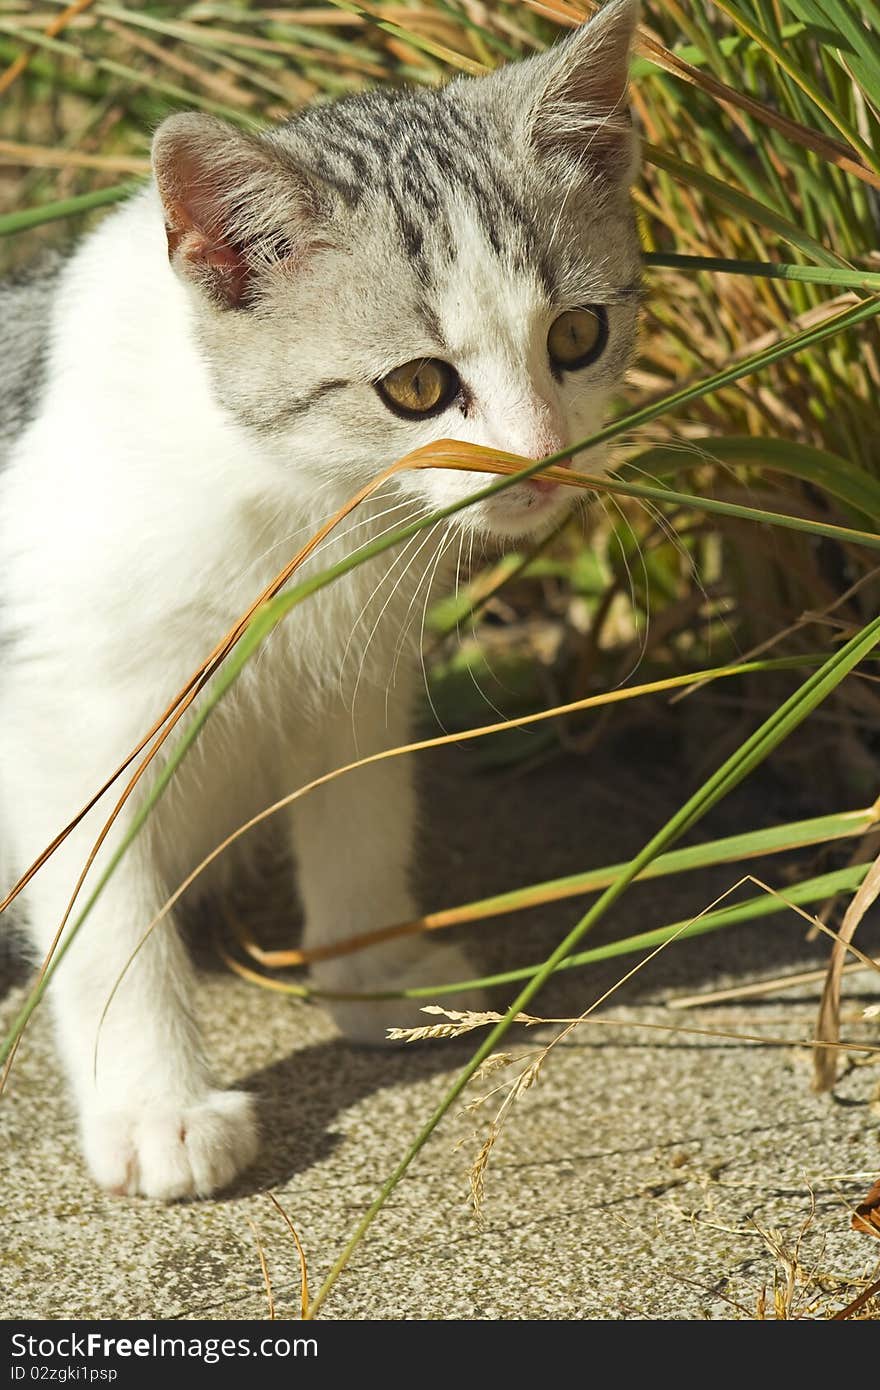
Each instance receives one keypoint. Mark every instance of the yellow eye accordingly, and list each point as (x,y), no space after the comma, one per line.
(578,337)
(423,387)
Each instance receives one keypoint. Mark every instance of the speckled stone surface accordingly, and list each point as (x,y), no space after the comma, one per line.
(632,1181)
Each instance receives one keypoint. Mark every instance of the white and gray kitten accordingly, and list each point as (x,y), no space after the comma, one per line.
(203,383)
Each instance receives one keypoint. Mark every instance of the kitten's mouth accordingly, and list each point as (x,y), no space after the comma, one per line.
(535,502)
(540,493)
(545,487)
(542,487)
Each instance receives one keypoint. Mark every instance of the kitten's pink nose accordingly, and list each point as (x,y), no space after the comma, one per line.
(548,442)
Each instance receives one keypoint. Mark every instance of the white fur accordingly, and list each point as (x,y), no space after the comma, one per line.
(139,518)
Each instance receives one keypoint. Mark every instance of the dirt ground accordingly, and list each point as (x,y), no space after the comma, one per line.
(646,1175)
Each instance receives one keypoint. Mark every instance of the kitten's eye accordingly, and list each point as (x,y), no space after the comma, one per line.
(423,387)
(578,337)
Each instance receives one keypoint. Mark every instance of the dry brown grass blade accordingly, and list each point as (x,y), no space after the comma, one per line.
(167,722)
(526,1078)
(445,453)
(222,88)
(467,914)
(253,978)
(809,318)
(320,17)
(196,683)
(372,938)
(236,40)
(858,1303)
(39,156)
(867,961)
(19,64)
(760,987)
(465,1023)
(566,15)
(806,618)
(866,1217)
(832,151)
(865,850)
(303,1270)
(828,1022)
(265,1268)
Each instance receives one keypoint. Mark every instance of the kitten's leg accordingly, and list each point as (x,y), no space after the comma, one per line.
(353,843)
(152,1119)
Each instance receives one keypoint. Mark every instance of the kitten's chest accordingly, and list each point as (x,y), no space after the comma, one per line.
(365,626)
(358,634)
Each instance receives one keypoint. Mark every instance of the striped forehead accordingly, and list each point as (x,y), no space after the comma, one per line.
(484,298)
(419,159)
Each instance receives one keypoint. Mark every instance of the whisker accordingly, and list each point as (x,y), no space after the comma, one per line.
(445,543)
(669,530)
(632,588)
(337,536)
(406,570)
(314,523)
(386,573)
(405,625)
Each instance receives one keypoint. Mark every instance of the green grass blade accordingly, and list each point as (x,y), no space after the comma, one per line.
(169,90)
(435,50)
(842,28)
(767,270)
(782,55)
(25,218)
(845,534)
(811,890)
(733,771)
(835,475)
(799,342)
(732,848)
(732,45)
(743,206)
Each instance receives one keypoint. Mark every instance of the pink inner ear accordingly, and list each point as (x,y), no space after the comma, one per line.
(210,259)
(193,172)
(233,208)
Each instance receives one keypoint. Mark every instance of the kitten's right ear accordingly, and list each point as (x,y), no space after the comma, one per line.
(234,205)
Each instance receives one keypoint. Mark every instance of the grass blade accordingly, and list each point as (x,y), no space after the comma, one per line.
(774,730)
(767,270)
(835,475)
(731,849)
(24,218)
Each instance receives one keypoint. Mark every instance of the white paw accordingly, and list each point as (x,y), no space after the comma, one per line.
(183,1151)
(389,968)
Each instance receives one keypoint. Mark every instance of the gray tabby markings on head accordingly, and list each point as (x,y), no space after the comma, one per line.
(502,146)
(416,150)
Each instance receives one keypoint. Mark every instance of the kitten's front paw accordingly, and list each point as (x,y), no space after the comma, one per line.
(388,968)
(178,1151)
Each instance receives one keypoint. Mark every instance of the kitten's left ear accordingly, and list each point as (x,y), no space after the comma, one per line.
(583,110)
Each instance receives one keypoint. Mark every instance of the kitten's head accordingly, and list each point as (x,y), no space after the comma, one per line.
(405,266)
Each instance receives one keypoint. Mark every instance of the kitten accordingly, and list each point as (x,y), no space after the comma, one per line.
(208,378)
